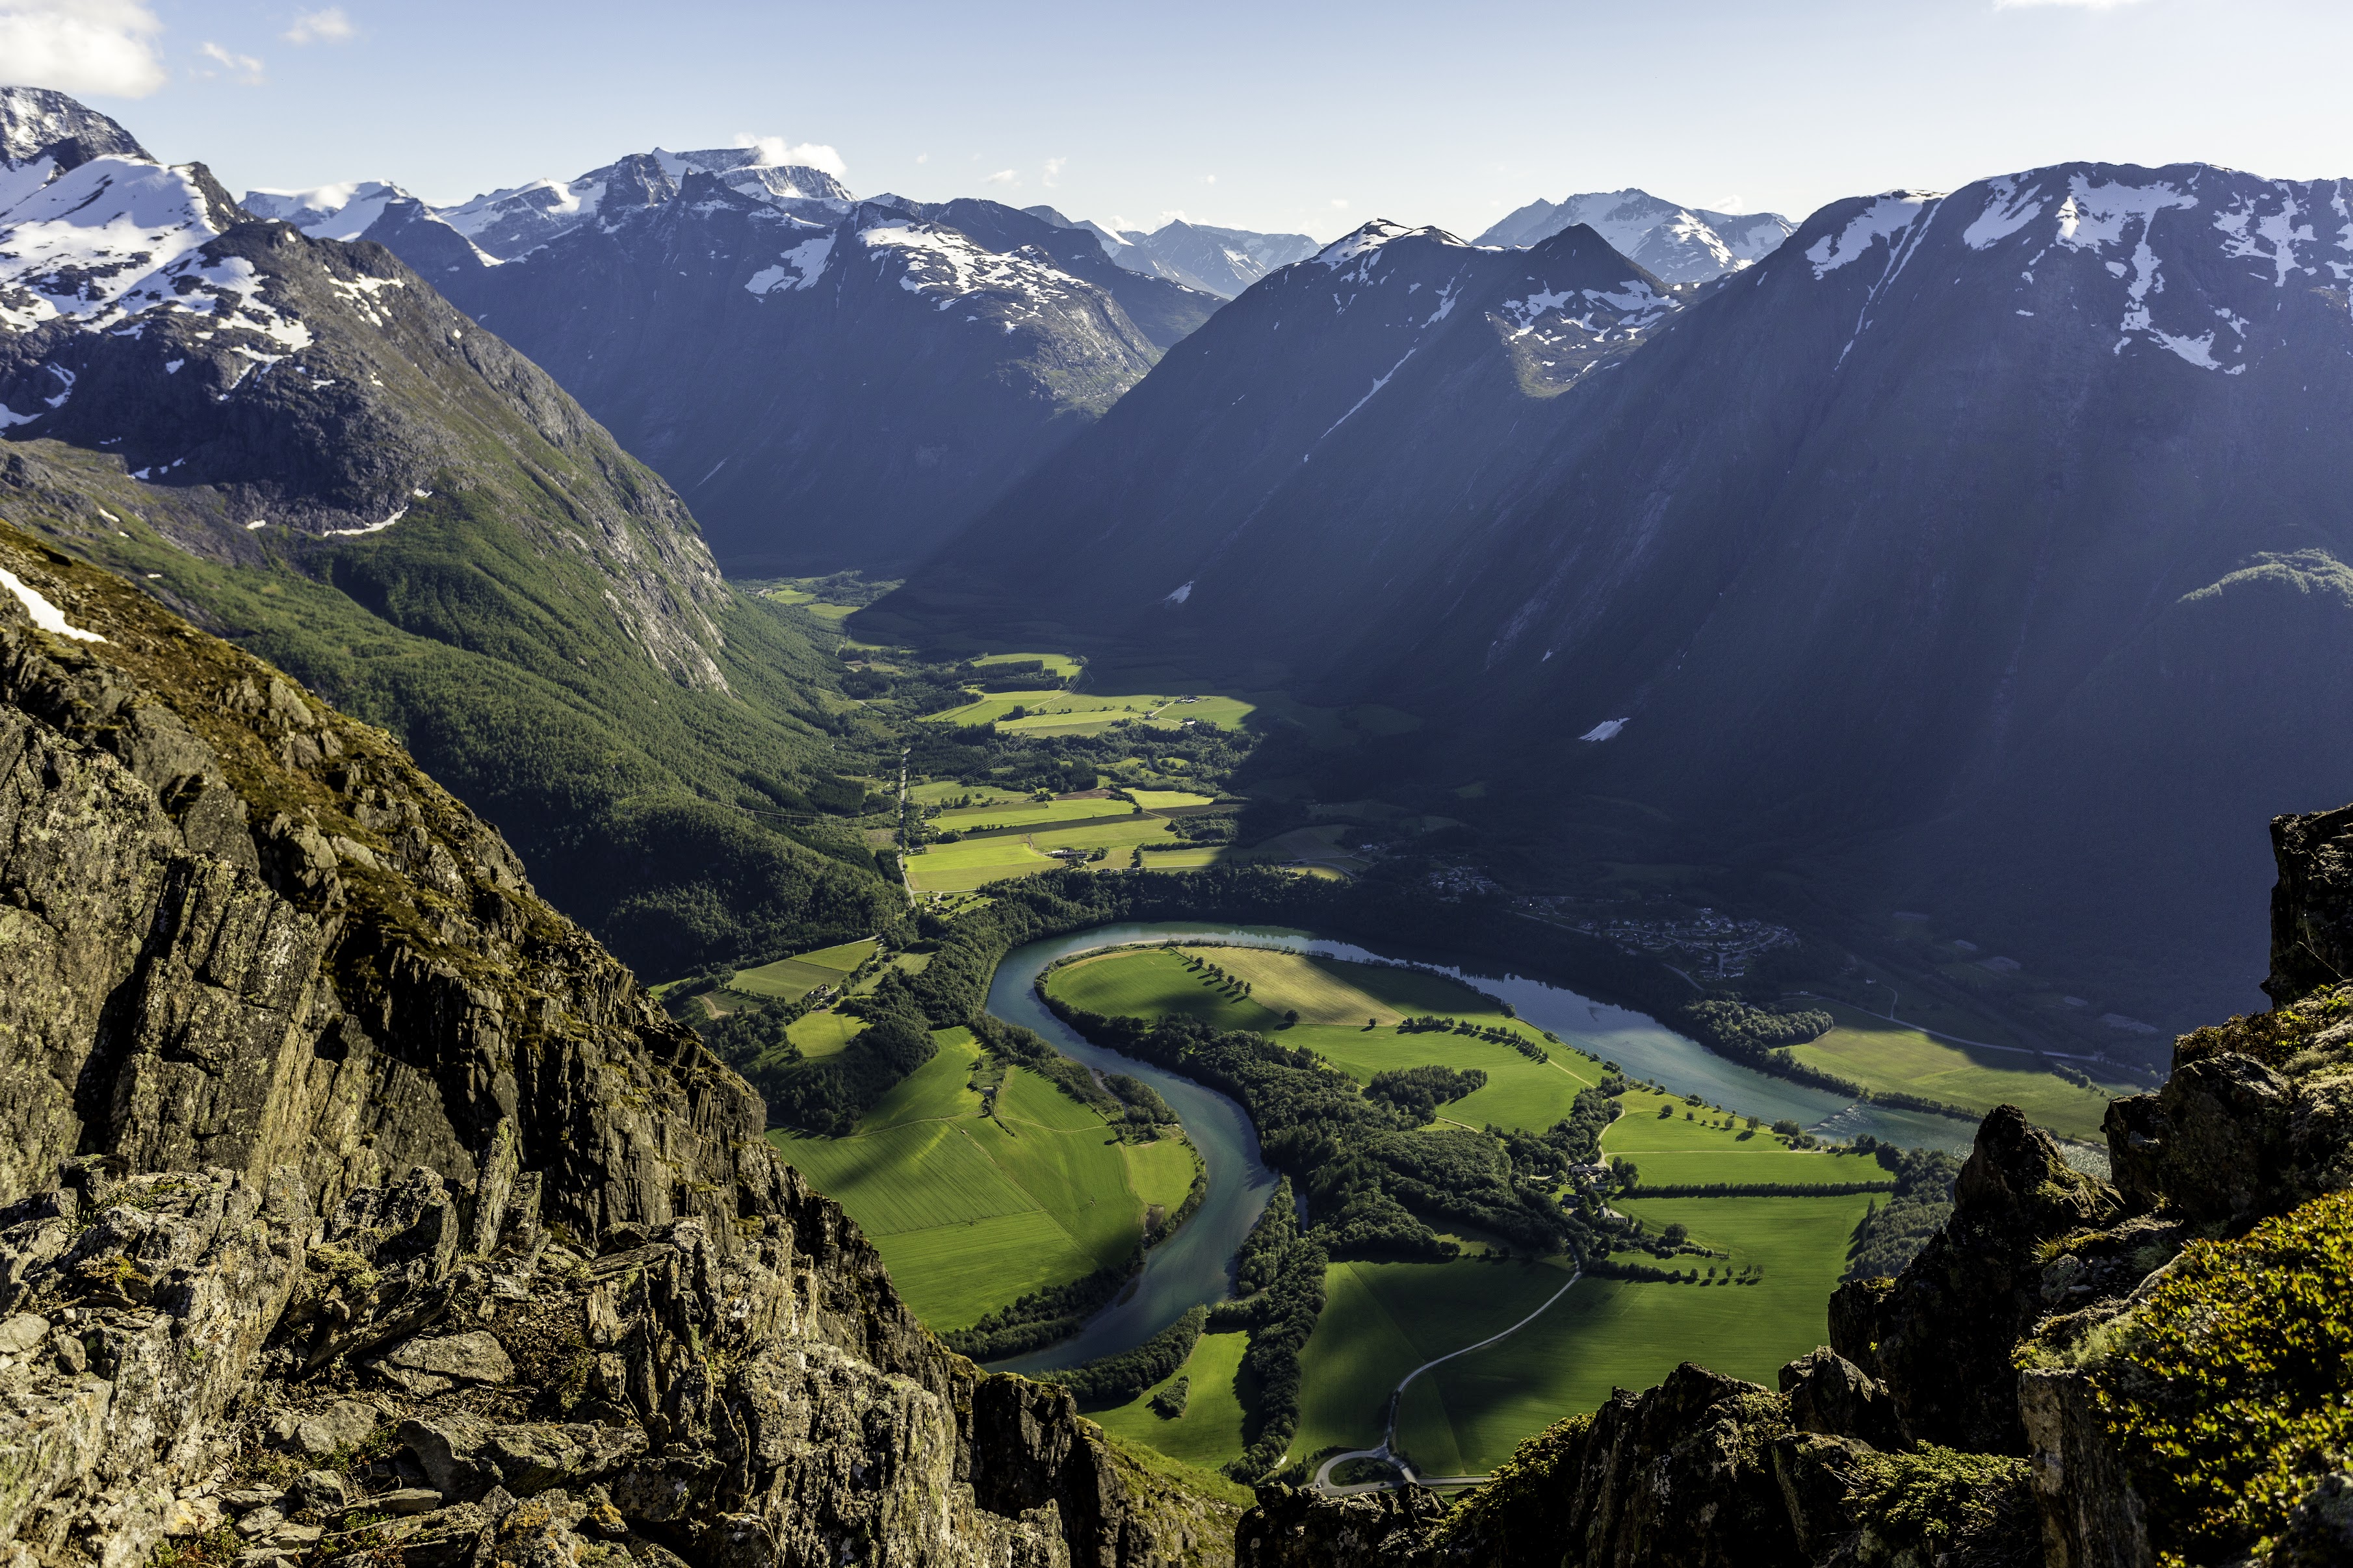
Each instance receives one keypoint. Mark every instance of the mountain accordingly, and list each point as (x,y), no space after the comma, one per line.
(1221,261)
(298,443)
(819,412)
(329,1136)
(1977,528)
(1681,245)
(1179,521)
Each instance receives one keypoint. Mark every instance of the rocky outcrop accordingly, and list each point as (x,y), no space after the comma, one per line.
(360,1204)
(1941,1336)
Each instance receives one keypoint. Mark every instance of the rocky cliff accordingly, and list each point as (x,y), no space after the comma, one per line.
(359,1205)
(2073,1373)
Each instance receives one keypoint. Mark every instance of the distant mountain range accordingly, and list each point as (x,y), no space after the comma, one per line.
(1679,245)
(1983,552)
(832,382)
(1221,261)
(298,443)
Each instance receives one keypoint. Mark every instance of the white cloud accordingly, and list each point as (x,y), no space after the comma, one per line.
(1208,179)
(1054,169)
(1339,205)
(245,69)
(922,157)
(327,27)
(775,152)
(2071,4)
(1730,205)
(1002,177)
(81,46)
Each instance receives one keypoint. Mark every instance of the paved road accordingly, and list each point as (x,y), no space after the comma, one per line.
(1324,1482)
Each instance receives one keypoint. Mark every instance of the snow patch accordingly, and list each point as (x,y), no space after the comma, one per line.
(46,615)
(1179,594)
(1889,215)
(1605,730)
(2011,210)
(398,513)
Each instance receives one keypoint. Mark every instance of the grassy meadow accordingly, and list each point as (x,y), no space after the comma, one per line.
(970,1212)
(1335,999)
(1381,1321)
(793,978)
(1879,1053)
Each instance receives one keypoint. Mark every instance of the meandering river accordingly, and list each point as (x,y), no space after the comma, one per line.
(1195,1266)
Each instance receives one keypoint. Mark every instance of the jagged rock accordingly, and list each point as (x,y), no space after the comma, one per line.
(1941,1336)
(359,1096)
(22,1333)
(345,1425)
(1292,1528)
(317,1492)
(2091,1516)
(1830,1395)
(403,1500)
(429,1366)
(189,1516)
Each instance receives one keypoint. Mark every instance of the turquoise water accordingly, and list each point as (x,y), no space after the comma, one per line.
(1196,1265)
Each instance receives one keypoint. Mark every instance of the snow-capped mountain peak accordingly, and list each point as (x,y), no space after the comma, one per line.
(344,211)
(35,123)
(1675,244)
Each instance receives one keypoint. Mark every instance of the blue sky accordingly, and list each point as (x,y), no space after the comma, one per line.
(1268,115)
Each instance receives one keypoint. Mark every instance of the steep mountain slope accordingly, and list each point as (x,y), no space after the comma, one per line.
(817,421)
(1220,261)
(358,1208)
(300,442)
(1974,527)
(1181,522)
(1680,245)
(825,395)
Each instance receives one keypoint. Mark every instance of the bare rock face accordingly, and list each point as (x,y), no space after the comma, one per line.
(348,1182)
(1940,1338)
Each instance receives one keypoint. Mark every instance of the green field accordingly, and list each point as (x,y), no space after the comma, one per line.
(794,977)
(971,1212)
(1383,1320)
(1055,711)
(823,1034)
(1028,812)
(1881,1054)
(1209,1433)
(975,862)
(1613,1334)
(1334,998)
(1169,799)
(1692,1145)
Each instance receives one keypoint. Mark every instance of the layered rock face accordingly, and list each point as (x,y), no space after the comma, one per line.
(358,1204)
(2072,1373)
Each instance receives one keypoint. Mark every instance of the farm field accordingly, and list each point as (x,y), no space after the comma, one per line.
(823,1034)
(1051,711)
(1692,1145)
(794,977)
(1466,1416)
(975,862)
(1333,999)
(1028,812)
(1881,1054)
(1209,1433)
(1383,1320)
(971,1212)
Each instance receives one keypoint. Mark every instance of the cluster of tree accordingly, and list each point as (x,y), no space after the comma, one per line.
(1142,1103)
(1735,1028)
(1207,827)
(828,1096)
(1041,1317)
(1233,984)
(1526,1046)
(1575,1139)
(1169,1403)
(1261,1253)
(1759,1189)
(1418,1092)
(1610,1268)
(753,1041)
(1892,1233)
(1116,1379)
(1279,1318)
